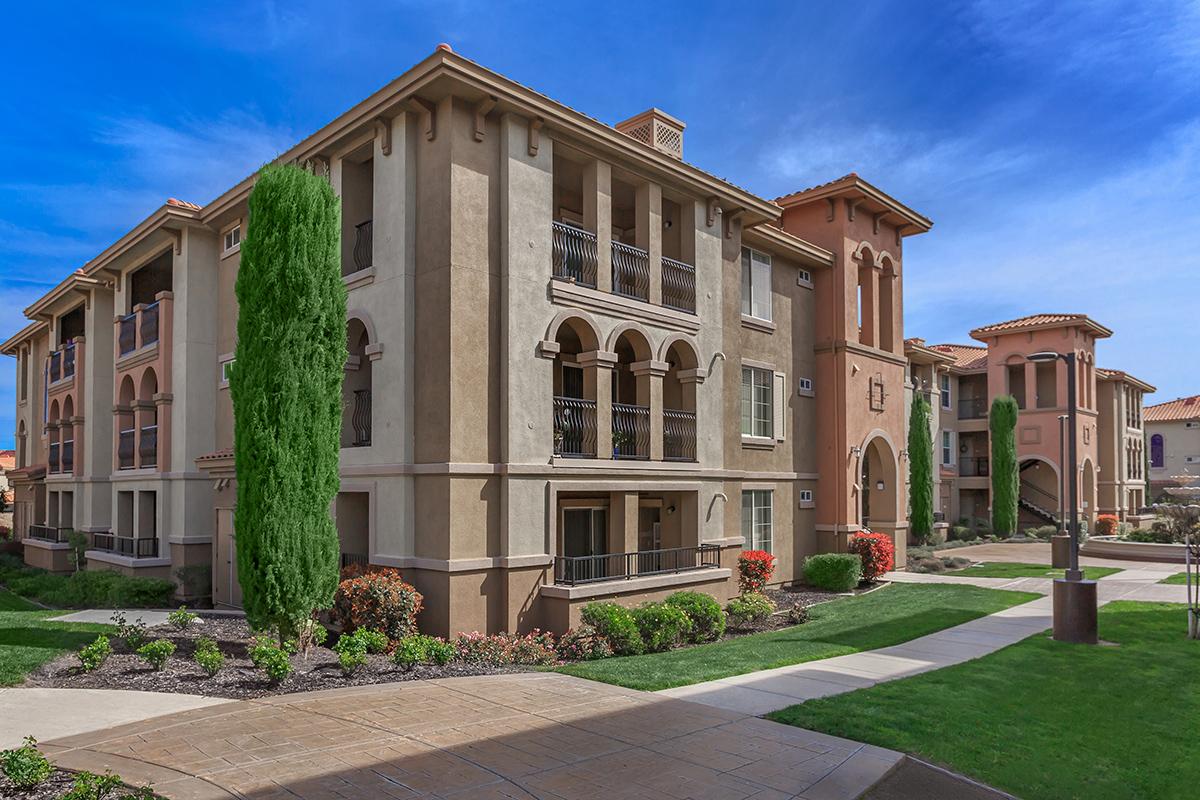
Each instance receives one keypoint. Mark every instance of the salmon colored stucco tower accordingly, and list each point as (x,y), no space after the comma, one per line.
(859,354)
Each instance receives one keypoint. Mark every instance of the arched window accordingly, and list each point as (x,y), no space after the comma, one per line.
(21,444)
(679,403)
(66,435)
(575,378)
(356,388)
(631,396)
(126,432)
(147,420)
(1156,450)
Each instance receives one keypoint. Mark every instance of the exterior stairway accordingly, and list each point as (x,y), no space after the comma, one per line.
(1049,517)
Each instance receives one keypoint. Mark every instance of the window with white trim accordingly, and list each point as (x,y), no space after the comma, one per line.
(757,402)
(1191,424)
(232,239)
(804,276)
(947,448)
(945,391)
(756,518)
(806,384)
(806,496)
(756,284)
(226,371)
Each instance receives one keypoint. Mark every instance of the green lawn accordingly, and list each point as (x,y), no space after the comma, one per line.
(1042,719)
(885,617)
(1177,578)
(27,641)
(1002,569)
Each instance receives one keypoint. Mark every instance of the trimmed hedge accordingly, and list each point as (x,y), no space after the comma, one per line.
(704,614)
(661,625)
(835,572)
(86,589)
(616,624)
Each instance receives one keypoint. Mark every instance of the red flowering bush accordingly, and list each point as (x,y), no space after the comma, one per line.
(535,648)
(379,600)
(583,644)
(877,551)
(1106,525)
(755,568)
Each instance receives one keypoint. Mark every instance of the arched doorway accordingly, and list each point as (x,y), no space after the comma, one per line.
(878,490)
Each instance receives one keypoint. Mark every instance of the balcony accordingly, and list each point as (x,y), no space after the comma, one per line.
(972,408)
(679,435)
(630,271)
(630,431)
(127,546)
(55,461)
(574,254)
(48,533)
(355,559)
(973,467)
(360,419)
(574,427)
(139,329)
(573,571)
(125,448)
(678,285)
(68,455)
(364,246)
(148,446)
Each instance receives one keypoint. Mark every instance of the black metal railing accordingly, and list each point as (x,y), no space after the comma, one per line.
(55,457)
(47,533)
(129,546)
(630,431)
(360,418)
(148,446)
(126,448)
(630,271)
(679,435)
(55,366)
(574,570)
(574,427)
(972,408)
(68,455)
(678,285)
(149,324)
(357,559)
(574,254)
(973,467)
(69,361)
(364,245)
(127,334)
(103,541)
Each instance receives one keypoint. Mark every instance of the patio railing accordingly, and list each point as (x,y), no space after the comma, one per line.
(574,570)
(574,427)
(574,254)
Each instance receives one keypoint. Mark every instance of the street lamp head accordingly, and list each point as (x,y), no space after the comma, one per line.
(1045,355)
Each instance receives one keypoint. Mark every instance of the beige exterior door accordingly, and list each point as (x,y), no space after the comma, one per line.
(226,590)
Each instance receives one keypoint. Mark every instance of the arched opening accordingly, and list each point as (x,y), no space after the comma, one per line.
(679,403)
(574,386)
(631,396)
(21,453)
(66,434)
(52,436)
(147,420)
(1014,378)
(865,301)
(1156,451)
(356,387)
(877,493)
(126,433)
(1040,490)
(887,290)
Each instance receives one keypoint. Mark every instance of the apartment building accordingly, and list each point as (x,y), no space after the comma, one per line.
(961,381)
(1173,433)
(578,367)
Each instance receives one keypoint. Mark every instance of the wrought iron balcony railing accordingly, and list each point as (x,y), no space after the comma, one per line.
(55,366)
(574,570)
(55,460)
(574,427)
(48,533)
(574,254)
(679,435)
(357,559)
(149,324)
(68,355)
(129,546)
(68,455)
(360,418)
(364,245)
(678,285)
(972,408)
(126,448)
(630,431)
(630,271)
(148,446)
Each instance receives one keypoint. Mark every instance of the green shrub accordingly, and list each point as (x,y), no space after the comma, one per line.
(156,653)
(960,533)
(181,618)
(380,600)
(90,786)
(374,641)
(920,470)
(834,572)
(88,589)
(352,648)
(661,626)
(274,661)
(616,624)
(208,656)
(583,644)
(798,614)
(94,655)
(749,608)
(703,612)
(25,766)
(1042,531)
(134,634)
(409,652)
(439,651)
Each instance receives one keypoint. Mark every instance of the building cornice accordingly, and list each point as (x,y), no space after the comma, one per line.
(786,244)
(10,346)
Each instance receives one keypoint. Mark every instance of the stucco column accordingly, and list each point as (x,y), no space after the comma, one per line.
(597,216)
(623,524)
(650,394)
(649,233)
(1031,400)
(597,383)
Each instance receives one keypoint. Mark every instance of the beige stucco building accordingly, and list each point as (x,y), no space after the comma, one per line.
(960,382)
(578,366)
(1173,434)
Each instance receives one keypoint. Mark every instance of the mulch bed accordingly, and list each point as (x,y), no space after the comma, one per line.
(53,787)
(239,680)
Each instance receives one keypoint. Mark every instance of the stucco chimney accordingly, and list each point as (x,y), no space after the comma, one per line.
(656,128)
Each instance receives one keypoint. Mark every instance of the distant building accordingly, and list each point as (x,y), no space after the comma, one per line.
(1173,430)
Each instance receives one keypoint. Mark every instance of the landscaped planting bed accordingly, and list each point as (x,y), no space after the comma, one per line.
(26,774)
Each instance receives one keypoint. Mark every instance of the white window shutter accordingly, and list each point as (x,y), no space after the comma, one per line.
(779,406)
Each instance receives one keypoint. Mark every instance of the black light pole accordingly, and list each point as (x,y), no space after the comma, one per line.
(1074,598)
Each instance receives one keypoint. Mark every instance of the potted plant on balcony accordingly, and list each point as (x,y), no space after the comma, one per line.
(620,441)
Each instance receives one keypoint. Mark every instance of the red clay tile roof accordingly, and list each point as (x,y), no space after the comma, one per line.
(8,460)
(172,201)
(1179,409)
(1120,375)
(1042,321)
(966,356)
(798,192)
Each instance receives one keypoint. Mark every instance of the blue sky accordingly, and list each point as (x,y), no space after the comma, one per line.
(1055,145)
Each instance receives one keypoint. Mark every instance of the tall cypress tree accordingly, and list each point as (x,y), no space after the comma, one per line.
(1006,480)
(286,386)
(920,475)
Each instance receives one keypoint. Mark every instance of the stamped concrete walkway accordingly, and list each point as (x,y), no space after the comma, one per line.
(540,735)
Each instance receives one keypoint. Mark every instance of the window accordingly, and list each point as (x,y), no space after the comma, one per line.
(1191,460)
(945,390)
(757,406)
(877,393)
(233,239)
(806,496)
(806,384)
(756,284)
(1156,450)
(947,448)
(226,371)
(756,518)
(803,276)
(1191,425)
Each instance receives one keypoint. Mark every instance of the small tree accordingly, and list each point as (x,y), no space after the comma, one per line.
(286,387)
(920,474)
(1006,482)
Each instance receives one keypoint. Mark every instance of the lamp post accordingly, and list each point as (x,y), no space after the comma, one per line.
(1060,543)
(1074,598)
